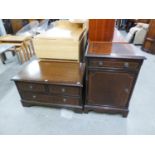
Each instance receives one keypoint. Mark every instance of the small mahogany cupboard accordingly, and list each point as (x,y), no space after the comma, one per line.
(111,77)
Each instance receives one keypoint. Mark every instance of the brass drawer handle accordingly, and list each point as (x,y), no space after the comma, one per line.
(100,63)
(34,96)
(64,99)
(126,64)
(63,90)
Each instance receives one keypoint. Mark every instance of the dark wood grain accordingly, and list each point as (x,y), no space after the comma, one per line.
(115,50)
(64,90)
(101,29)
(53,72)
(51,83)
(31,87)
(112,90)
(110,78)
(51,99)
(113,63)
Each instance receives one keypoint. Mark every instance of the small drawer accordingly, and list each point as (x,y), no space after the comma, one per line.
(31,87)
(55,99)
(65,90)
(113,64)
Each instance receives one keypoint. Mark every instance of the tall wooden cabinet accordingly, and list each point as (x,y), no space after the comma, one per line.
(101,29)
(110,79)
(149,43)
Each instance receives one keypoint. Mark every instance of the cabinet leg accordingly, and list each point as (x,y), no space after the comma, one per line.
(86,111)
(78,111)
(25,104)
(125,114)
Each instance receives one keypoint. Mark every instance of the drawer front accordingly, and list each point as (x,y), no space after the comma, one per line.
(75,91)
(31,87)
(113,64)
(57,99)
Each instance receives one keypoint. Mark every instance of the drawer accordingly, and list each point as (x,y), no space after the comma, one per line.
(65,90)
(31,87)
(124,64)
(57,99)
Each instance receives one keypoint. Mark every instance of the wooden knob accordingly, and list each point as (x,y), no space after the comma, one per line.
(63,90)
(126,64)
(30,86)
(34,96)
(64,99)
(100,63)
(126,90)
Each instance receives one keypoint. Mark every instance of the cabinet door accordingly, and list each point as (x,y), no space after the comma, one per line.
(109,88)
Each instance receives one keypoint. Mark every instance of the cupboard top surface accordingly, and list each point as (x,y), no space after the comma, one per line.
(64,73)
(113,50)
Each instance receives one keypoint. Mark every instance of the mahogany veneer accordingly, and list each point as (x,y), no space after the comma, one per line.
(111,73)
(50,83)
